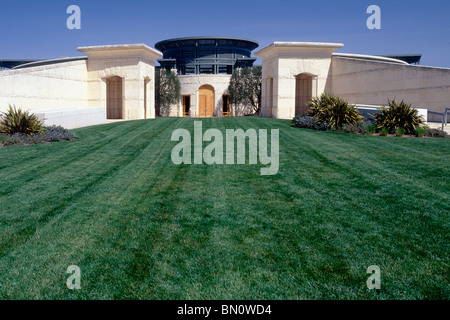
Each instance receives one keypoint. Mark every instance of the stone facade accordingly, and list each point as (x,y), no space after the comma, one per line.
(135,64)
(190,86)
(373,82)
(292,73)
(59,87)
(365,80)
(282,63)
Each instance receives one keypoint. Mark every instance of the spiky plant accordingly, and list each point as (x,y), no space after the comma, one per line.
(420,132)
(400,132)
(399,115)
(333,110)
(384,132)
(19,121)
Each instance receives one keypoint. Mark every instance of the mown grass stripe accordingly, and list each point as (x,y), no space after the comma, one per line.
(142,228)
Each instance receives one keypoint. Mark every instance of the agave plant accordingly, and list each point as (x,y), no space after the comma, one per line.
(334,111)
(399,115)
(18,121)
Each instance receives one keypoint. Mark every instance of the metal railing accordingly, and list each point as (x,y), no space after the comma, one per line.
(367,111)
(446,115)
(442,115)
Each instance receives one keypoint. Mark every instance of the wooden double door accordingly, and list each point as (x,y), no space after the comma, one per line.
(303,93)
(206,101)
(114,98)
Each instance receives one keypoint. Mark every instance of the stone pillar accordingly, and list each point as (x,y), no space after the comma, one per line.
(284,61)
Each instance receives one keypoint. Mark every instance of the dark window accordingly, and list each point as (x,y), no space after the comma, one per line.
(225,69)
(189,70)
(209,53)
(186,106)
(207,42)
(207,69)
(240,54)
(225,53)
(226,105)
(188,55)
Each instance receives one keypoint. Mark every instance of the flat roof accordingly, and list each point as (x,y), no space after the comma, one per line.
(369,57)
(409,58)
(40,63)
(299,47)
(120,50)
(9,64)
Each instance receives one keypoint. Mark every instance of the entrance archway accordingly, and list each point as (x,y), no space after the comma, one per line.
(186,104)
(114,98)
(226,111)
(303,92)
(206,101)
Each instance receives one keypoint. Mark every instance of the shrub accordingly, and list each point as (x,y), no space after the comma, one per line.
(371,128)
(384,132)
(167,91)
(308,122)
(18,121)
(334,111)
(398,115)
(56,133)
(348,128)
(420,132)
(399,132)
(49,134)
(435,133)
(360,127)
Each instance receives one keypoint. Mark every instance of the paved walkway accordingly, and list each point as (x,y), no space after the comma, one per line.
(439,126)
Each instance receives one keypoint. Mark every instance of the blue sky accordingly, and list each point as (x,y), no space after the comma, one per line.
(37,29)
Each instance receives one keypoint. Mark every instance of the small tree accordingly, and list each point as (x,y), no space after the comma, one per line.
(167,91)
(245,87)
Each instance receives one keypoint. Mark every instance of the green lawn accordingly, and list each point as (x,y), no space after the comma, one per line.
(140,227)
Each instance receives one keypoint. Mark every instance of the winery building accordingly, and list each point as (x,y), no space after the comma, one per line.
(118,81)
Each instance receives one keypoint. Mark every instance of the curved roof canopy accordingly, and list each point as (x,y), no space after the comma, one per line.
(206,41)
(206,55)
(10,64)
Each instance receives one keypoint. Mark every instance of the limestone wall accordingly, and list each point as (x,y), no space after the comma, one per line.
(190,85)
(135,65)
(288,69)
(282,63)
(374,82)
(61,85)
(133,73)
(73,118)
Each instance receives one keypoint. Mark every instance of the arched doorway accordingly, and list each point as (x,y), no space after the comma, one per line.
(186,105)
(226,110)
(114,98)
(303,92)
(206,101)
